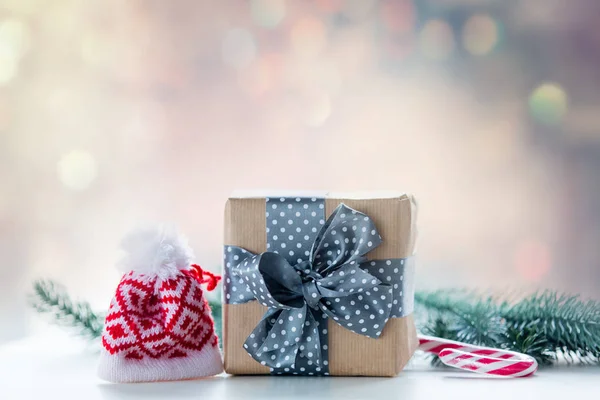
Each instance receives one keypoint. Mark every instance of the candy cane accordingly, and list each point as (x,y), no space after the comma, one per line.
(482,360)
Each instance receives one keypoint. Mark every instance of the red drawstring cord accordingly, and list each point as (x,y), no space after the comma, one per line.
(203,276)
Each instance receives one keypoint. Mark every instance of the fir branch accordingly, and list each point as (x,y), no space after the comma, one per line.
(542,325)
(570,325)
(217,313)
(479,324)
(445,301)
(439,327)
(468,318)
(528,341)
(52,299)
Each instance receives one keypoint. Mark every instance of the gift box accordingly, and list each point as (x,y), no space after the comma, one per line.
(319,284)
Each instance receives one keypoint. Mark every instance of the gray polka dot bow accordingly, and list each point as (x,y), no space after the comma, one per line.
(335,282)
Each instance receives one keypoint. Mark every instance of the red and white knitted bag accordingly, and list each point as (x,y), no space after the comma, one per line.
(159,326)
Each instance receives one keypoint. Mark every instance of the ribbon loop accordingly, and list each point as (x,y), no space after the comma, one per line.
(345,238)
(272,280)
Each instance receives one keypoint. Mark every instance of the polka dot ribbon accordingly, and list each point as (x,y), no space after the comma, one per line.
(478,359)
(315,271)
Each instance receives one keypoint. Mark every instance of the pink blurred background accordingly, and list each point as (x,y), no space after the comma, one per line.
(114,112)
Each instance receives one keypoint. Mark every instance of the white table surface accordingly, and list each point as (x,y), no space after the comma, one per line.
(59,366)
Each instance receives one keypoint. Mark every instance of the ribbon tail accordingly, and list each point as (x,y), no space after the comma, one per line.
(310,343)
(276,340)
(254,344)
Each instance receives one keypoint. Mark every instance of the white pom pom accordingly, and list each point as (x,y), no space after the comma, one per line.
(158,250)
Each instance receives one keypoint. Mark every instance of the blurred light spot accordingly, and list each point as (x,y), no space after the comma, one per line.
(308,36)
(317,108)
(238,48)
(481,34)
(8,64)
(436,39)
(548,103)
(14,41)
(533,260)
(77,170)
(357,10)
(267,13)
(15,35)
(398,15)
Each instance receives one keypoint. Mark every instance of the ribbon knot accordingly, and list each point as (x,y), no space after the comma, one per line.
(330,284)
(311,293)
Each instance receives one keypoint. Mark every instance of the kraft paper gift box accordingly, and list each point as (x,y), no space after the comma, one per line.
(288,309)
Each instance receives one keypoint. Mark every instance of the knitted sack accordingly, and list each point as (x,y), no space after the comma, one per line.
(159,325)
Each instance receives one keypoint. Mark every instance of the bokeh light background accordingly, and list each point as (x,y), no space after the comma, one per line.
(113,112)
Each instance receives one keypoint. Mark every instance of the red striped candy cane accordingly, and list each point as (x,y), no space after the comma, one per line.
(482,360)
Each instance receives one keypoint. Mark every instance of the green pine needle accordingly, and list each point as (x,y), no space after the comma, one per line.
(439,327)
(479,324)
(216,308)
(530,342)
(52,298)
(445,301)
